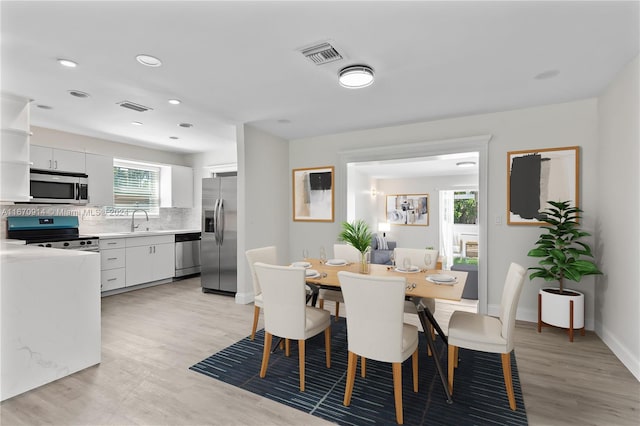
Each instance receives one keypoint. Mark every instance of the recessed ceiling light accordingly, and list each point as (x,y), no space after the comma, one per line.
(174,101)
(148,60)
(44,106)
(547,74)
(466,164)
(187,125)
(78,94)
(136,123)
(356,76)
(67,63)
(173,137)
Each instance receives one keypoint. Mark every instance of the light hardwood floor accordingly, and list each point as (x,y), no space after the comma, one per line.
(151,337)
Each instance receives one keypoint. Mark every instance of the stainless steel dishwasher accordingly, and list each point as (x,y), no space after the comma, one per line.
(187,254)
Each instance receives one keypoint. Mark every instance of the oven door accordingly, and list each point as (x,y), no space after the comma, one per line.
(55,187)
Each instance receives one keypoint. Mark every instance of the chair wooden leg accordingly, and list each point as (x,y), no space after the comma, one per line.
(433,332)
(363,367)
(397,390)
(508,383)
(414,366)
(287,347)
(265,354)
(351,377)
(301,362)
(321,303)
(256,314)
(337,311)
(327,345)
(457,357)
(450,366)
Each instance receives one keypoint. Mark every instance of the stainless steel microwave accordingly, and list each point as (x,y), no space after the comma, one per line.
(49,187)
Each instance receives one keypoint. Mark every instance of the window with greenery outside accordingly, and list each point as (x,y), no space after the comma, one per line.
(136,186)
(465,207)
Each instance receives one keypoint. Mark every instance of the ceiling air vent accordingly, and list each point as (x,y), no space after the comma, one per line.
(321,54)
(133,106)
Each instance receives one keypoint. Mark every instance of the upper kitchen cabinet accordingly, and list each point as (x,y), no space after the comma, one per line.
(14,148)
(61,160)
(176,183)
(100,171)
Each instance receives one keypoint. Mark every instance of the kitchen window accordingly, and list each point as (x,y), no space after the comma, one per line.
(136,186)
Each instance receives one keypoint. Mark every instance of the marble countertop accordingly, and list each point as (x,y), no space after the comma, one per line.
(11,252)
(128,234)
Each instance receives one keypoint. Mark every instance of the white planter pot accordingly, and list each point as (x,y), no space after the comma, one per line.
(555,308)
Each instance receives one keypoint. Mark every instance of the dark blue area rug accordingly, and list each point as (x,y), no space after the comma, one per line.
(479,395)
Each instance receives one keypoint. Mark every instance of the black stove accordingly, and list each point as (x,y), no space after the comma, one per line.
(51,231)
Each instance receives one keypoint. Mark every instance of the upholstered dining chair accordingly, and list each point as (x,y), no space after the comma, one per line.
(376,329)
(287,315)
(267,255)
(351,255)
(425,259)
(489,334)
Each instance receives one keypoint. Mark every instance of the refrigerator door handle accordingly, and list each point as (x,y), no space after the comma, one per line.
(220,220)
(216,226)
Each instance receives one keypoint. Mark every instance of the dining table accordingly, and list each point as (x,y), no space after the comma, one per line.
(420,283)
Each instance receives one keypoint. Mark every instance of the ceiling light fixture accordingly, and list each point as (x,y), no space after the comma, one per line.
(547,74)
(148,60)
(44,106)
(175,101)
(186,125)
(173,137)
(136,123)
(466,164)
(67,63)
(355,76)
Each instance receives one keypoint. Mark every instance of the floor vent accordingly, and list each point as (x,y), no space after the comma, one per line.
(321,54)
(134,106)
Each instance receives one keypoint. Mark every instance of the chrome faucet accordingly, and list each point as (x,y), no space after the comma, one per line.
(133,215)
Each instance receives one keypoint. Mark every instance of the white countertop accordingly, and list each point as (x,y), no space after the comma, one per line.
(12,252)
(108,235)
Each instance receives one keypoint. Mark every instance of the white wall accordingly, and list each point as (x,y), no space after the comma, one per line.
(567,124)
(419,236)
(264,192)
(617,228)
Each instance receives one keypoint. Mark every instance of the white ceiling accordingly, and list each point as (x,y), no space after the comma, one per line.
(239,62)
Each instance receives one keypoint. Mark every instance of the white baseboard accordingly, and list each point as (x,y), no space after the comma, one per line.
(623,353)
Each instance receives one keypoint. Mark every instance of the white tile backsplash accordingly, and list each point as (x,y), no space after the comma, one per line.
(94,220)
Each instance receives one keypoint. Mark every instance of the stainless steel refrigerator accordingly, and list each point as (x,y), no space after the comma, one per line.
(219,234)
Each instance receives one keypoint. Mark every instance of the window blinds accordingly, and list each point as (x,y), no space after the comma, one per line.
(136,186)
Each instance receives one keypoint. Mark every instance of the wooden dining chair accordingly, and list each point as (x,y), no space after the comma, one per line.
(489,334)
(351,255)
(376,329)
(287,315)
(424,259)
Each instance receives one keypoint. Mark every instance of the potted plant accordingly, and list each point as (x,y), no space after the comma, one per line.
(358,235)
(562,256)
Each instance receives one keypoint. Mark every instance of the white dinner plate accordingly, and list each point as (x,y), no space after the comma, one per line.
(336,262)
(442,279)
(301,265)
(311,273)
(411,270)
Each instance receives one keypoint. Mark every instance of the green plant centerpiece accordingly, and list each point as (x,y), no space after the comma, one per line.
(358,235)
(559,247)
(562,256)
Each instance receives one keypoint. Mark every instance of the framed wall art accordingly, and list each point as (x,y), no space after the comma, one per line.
(537,176)
(408,209)
(313,194)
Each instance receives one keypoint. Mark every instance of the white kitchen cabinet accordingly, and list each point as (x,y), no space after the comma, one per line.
(112,264)
(14,148)
(149,259)
(176,186)
(100,171)
(60,160)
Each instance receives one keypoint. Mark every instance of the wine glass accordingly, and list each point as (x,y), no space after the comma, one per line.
(427,260)
(406,263)
(323,255)
(392,258)
(305,253)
